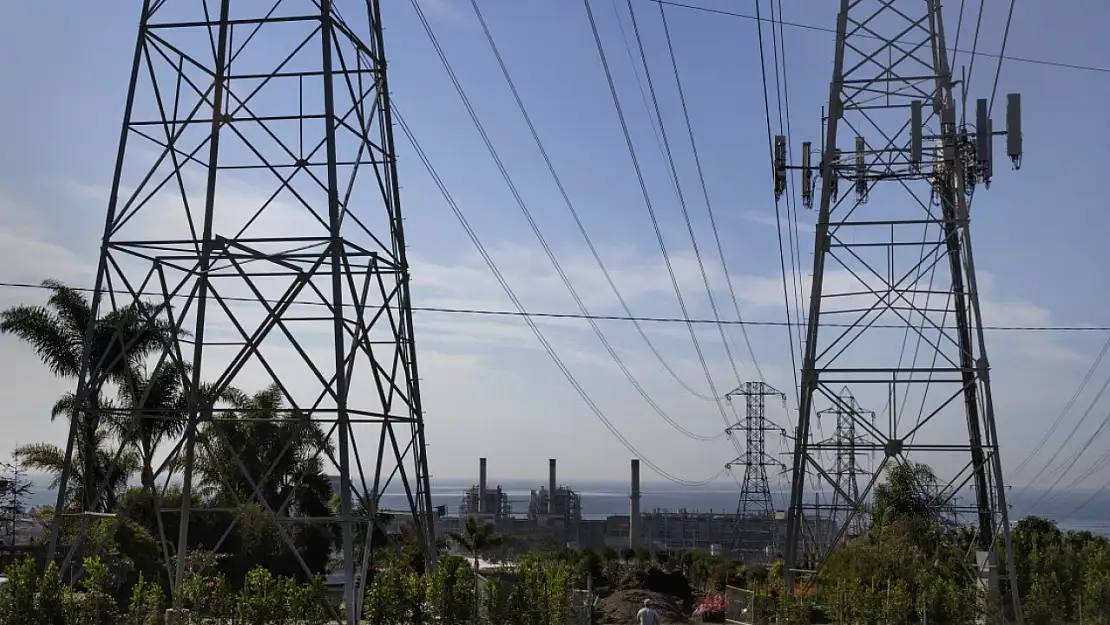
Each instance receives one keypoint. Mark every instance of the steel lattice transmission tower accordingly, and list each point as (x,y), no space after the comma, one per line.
(893,273)
(255,208)
(848,448)
(756,526)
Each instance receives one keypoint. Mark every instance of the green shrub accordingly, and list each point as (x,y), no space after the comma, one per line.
(450,591)
(17,603)
(262,600)
(145,606)
(394,597)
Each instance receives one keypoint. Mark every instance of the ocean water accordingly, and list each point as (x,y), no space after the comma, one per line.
(1073,510)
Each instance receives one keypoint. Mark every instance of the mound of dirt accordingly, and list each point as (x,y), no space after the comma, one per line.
(672,584)
(620,607)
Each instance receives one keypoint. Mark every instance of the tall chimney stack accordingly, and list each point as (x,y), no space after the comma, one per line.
(551,486)
(634,530)
(481,485)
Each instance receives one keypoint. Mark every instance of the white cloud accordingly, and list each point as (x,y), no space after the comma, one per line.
(26,252)
(447,11)
(803,226)
(490,390)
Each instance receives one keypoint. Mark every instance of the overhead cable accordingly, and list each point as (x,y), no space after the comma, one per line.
(487,312)
(1070,460)
(1063,413)
(526,211)
(574,211)
(825,29)
(669,156)
(778,214)
(590,403)
(705,193)
(1002,55)
(651,210)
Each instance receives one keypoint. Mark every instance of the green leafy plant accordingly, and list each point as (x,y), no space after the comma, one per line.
(394,597)
(92,602)
(495,603)
(50,607)
(17,602)
(450,591)
(308,603)
(145,606)
(262,600)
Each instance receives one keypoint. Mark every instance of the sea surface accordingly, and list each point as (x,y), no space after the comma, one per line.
(1072,510)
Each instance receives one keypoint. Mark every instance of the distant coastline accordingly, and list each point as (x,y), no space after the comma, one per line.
(604,498)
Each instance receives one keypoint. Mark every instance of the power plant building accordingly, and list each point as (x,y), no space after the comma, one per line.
(554,517)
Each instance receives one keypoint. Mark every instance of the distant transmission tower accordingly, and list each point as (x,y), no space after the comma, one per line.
(893,266)
(848,448)
(756,527)
(255,206)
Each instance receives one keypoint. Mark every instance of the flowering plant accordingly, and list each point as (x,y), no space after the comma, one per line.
(712,603)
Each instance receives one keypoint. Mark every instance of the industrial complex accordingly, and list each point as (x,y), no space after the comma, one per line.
(554,516)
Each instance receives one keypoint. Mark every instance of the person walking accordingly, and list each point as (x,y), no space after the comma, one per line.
(647,614)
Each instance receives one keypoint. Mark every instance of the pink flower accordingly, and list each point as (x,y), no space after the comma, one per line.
(711,603)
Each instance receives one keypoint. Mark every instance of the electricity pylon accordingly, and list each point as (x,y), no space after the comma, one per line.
(893,267)
(848,447)
(756,526)
(254,220)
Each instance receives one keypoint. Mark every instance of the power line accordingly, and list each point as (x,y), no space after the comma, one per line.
(574,211)
(778,214)
(668,156)
(1065,469)
(528,213)
(1001,55)
(778,43)
(589,242)
(705,190)
(1063,413)
(647,201)
(487,312)
(825,29)
(464,222)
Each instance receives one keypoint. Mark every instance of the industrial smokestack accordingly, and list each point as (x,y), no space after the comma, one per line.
(634,507)
(481,485)
(551,486)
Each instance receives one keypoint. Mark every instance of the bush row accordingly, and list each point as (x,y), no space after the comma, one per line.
(532,593)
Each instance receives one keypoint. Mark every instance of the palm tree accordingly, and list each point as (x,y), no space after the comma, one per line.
(62,329)
(157,407)
(408,546)
(478,539)
(277,448)
(378,536)
(50,459)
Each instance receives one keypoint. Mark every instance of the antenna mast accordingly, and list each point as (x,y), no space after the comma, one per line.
(893,268)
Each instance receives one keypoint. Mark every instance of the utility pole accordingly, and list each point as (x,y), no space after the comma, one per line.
(756,526)
(848,448)
(894,305)
(255,215)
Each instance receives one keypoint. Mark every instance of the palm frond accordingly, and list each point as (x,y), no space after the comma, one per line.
(157,403)
(64,406)
(73,310)
(277,448)
(39,327)
(43,457)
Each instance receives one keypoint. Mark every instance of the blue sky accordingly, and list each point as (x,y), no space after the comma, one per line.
(489,390)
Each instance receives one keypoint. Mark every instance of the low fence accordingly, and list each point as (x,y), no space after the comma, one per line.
(580,608)
(740,606)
